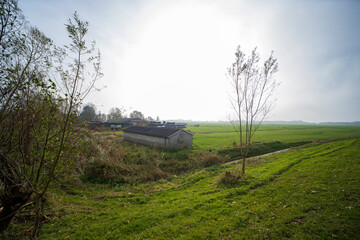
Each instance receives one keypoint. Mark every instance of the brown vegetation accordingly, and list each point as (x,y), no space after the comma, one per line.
(109,159)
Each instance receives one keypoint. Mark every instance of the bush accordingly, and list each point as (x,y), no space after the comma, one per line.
(208,159)
(174,166)
(232,178)
(121,173)
(152,174)
(97,169)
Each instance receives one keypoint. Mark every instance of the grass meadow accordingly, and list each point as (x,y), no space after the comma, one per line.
(222,135)
(308,192)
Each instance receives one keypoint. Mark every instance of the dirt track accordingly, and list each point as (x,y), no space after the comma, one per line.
(267,154)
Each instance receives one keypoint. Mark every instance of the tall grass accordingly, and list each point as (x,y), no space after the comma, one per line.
(114,161)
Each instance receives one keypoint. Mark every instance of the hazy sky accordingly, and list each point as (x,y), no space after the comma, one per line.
(168,58)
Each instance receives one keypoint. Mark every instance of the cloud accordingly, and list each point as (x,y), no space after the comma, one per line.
(168,58)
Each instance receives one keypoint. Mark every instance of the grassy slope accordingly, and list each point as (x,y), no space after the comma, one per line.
(223,135)
(305,194)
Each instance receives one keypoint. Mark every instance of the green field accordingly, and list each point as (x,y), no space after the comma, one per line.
(307,193)
(216,135)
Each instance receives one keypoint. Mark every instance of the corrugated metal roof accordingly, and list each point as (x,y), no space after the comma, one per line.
(153,131)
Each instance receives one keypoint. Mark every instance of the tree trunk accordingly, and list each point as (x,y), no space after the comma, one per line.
(10,206)
(243,165)
(38,211)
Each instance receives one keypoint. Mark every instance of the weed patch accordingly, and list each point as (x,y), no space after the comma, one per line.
(233,178)
(116,162)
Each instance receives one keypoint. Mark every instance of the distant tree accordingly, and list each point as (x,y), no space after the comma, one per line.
(101,117)
(88,113)
(116,113)
(252,97)
(137,114)
(149,118)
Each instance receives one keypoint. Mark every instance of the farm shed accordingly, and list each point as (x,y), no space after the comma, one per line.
(159,137)
(123,123)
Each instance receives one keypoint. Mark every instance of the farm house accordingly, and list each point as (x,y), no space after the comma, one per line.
(159,137)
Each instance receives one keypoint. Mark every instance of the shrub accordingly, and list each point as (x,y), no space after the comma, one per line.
(175,166)
(97,169)
(232,178)
(106,172)
(208,159)
(152,174)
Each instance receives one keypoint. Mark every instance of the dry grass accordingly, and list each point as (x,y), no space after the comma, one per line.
(112,160)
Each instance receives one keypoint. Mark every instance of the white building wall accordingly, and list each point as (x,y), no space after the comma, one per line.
(179,140)
(144,139)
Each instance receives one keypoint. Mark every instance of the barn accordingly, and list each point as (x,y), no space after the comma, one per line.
(167,138)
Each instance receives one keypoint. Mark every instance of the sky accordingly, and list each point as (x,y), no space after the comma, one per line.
(168,58)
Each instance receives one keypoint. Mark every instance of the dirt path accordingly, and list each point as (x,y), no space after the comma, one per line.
(214,132)
(267,154)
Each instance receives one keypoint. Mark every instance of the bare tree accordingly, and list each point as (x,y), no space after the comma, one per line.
(252,95)
(38,135)
(137,114)
(116,113)
(101,117)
